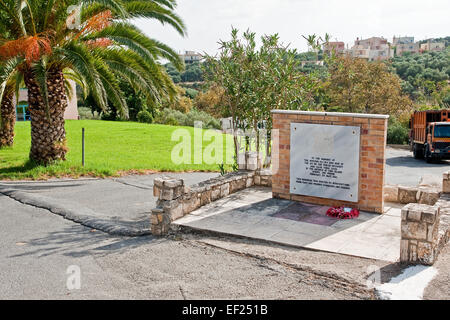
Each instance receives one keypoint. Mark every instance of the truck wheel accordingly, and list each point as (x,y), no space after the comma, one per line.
(417,152)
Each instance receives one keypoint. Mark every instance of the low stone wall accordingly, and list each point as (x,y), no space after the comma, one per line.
(405,195)
(425,229)
(176,200)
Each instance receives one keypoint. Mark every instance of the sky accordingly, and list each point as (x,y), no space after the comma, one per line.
(209,21)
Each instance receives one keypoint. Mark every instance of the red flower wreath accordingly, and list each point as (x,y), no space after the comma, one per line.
(341,213)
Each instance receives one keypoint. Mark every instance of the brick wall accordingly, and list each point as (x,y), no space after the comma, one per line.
(371,157)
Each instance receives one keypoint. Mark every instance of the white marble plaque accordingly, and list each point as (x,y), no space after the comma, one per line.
(324,161)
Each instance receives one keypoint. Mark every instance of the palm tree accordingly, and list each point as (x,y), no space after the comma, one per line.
(7,117)
(50,46)
(7,108)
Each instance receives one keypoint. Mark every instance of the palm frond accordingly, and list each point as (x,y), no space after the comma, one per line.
(82,62)
(7,71)
(128,35)
(69,74)
(153,10)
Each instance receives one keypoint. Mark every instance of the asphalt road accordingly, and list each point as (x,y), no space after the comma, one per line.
(119,206)
(403,169)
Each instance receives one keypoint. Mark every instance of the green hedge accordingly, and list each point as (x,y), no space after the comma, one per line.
(397,133)
(177,118)
(144,116)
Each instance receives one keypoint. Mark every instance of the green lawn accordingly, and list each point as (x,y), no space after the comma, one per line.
(112,148)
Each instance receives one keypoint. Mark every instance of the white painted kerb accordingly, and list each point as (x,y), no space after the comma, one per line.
(333,114)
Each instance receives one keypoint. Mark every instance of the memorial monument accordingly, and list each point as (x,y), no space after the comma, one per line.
(334,159)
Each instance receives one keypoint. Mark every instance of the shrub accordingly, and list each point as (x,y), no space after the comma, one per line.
(397,134)
(177,118)
(170,117)
(86,114)
(144,116)
(191,93)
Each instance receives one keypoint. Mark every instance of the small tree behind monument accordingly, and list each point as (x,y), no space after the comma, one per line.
(256,80)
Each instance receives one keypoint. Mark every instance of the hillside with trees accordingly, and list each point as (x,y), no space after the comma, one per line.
(192,73)
(425,77)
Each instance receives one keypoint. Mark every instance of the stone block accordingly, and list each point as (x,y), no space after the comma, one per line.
(257,180)
(225,190)
(159,221)
(167,194)
(205,198)
(249,182)
(215,193)
(171,193)
(407,194)
(266,181)
(414,230)
(432,232)
(404,250)
(237,185)
(414,215)
(404,214)
(390,193)
(176,212)
(156,191)
(191,203)
(425,253)
(159,182)
(405,209)
(173,183)
(156,230)
(431,214)
(446,182)
(154,219)
(412,252)
(427,195)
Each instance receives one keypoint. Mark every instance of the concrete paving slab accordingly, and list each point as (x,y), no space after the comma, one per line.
(245,214)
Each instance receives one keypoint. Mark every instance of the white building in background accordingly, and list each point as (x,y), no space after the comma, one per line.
(402,40)
(432,46)
(190,57)
(375,48)
(405,44)
(23,114)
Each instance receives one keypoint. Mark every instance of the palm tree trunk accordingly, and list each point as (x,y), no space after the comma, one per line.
(8,120)
(48,136)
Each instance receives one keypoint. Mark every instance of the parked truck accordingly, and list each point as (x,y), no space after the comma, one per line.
(430,134)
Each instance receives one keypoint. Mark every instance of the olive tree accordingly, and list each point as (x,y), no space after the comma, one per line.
(256,80)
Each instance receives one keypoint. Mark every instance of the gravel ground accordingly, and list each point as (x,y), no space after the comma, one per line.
(439,288)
